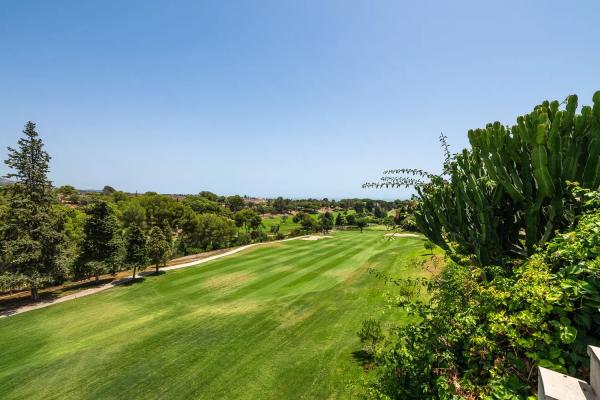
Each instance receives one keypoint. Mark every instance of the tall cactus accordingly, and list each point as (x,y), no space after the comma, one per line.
(509,192)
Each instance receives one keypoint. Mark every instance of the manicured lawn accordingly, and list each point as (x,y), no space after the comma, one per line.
(275,322)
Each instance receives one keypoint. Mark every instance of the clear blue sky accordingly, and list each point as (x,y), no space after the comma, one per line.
(266,98)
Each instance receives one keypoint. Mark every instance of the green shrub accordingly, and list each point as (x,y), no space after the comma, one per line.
(485,330)
(243,238)
(370,335)
(279,236)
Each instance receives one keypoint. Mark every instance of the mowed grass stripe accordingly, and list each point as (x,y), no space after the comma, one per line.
(288,331)
(327,258)
(300,257)
(184,277)
(259,270)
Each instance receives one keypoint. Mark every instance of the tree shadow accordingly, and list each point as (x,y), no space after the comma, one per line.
(131,281)
(151,274)
(363,358)
(9,306)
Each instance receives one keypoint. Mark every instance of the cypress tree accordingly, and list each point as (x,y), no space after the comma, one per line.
(136,250)
(101,242)
(33,233)
(158,247)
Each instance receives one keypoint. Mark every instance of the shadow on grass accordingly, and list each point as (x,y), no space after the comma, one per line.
(151,274)
(8,305)
(131,281)
(363,358)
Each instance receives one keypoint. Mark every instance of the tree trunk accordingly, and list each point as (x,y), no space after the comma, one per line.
(157,268)
(34,293)
(134,269)
(97,277)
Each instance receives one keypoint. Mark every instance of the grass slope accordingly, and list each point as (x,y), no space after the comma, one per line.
(276,322)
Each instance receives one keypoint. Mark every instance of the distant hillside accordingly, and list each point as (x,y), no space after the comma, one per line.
(4,181)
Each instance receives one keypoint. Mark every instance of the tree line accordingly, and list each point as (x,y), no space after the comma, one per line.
(52,235)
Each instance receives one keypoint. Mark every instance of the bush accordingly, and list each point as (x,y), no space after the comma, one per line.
(485,330)
(243,239)
(409,223)
(258,236)
(279,236)
(370,335)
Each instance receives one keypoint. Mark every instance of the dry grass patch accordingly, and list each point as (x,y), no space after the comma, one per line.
(237,307)
(433,265)
(293,317)
(229,281)
(341,274)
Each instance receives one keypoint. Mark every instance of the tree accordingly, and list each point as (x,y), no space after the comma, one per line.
(168,232)
(359,206)
(308,223)
(325,222)
(389,222)
(207,232)
(133,214)
(340,220)
(209,195)
(351,219)
(68,193)
(33,231)
(235,203)
(101,241)
(378,212)
(284,219)
(203,205)
(249,219)
(361,223)
(108,190)
(136,254)
(429,246)
(74,224)
(96,268)
(279,204)
(158,247)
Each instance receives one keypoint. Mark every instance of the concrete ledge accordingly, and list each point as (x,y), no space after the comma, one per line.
(594,353)
(556,386)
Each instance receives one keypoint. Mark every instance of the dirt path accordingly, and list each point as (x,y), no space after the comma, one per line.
(87,292)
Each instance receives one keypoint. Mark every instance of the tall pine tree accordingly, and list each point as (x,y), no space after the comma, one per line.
(102,240)
(136,251)
(33,233)
(158,247)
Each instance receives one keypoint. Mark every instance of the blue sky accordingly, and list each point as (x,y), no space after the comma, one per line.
(266,98)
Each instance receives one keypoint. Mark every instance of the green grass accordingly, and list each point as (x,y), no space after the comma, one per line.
(275,322)
(290,225)
(284,228)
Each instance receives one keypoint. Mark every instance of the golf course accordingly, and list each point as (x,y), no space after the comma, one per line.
(276,321)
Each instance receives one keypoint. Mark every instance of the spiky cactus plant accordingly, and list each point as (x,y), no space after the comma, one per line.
(509,192)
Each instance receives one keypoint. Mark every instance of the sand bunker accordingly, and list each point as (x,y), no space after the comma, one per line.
(397,234)
(316,237)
